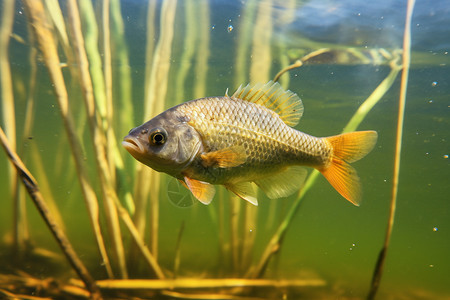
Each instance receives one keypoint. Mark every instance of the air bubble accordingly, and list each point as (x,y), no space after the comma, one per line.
(230,28)
(434,83)
(435,229)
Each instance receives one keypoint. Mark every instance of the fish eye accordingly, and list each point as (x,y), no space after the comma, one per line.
(157,137)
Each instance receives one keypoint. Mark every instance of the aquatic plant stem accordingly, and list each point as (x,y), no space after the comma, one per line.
(190,44)
(398,148)
(141,188)
(98,138)
(203,53)
(196,283)
(9,119)
(246,25)
(33,190)
(124,116)
(261,50)
(148,181)
(120,54)
(298,63)
(107,71)
(47,45)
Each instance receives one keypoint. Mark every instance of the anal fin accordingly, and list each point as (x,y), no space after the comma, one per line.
(284,183)
(244,190)
(203,191)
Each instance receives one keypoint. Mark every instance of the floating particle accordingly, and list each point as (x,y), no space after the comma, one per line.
(230,28)
(434,83)
(446,156)
(430,101)
(431,266)
(435,229)
(213,27)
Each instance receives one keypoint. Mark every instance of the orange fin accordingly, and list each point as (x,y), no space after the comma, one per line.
(225,158)
(203,191)
(244,190)
(347,148)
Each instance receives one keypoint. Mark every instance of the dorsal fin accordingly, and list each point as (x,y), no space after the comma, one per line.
(271,95)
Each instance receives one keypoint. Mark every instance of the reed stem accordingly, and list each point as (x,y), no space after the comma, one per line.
(9,119)
(243,54)
(33,190)
(97,136)
(261,43)
(378,272)
(188,283)
(107,71)
(157,85)
(47,45)
(203,53)
(125,115)
(120,55)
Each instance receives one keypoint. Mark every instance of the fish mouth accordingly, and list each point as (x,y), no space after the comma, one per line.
(133,145)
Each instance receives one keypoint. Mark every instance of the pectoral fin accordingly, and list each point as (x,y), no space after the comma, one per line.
(244,190)
(203,191)
(284,183)
(225,158)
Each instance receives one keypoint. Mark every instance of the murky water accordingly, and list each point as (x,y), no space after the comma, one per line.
(328,238)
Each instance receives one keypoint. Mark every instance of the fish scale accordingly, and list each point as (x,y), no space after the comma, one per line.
(266,138)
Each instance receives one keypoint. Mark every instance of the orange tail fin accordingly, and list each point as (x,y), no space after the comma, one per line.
(347,148)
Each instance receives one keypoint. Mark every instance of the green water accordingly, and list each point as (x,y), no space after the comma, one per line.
(328,238)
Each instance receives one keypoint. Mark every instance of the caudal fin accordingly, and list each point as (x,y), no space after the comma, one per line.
(348,148)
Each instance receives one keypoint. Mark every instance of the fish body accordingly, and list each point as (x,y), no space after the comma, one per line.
(244,139)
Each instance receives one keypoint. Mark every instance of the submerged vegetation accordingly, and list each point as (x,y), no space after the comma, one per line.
(84,50)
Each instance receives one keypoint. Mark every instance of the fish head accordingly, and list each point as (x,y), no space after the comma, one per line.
(166,143)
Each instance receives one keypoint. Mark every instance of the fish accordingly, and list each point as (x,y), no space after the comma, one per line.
(244,141)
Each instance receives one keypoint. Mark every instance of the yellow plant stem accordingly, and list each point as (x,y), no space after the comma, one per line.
(157,85)
(141,188)
(47,45)
(196,283)
(98,139)
(202,55)
(246,27)
(124,116)
(107,71)
(9,119)
(261,43)
(398,149)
